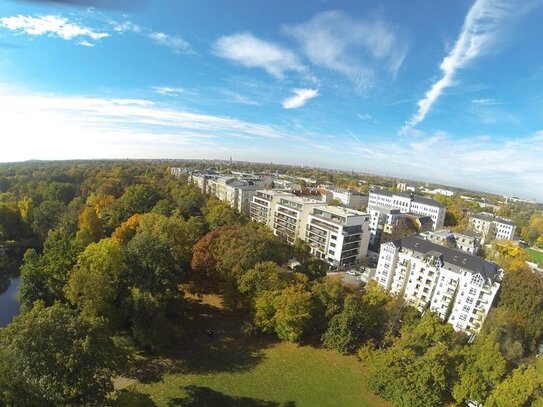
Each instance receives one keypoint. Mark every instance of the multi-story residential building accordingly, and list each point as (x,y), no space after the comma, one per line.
(236,192)
(339,236)
(409,203)
(348,198)
(460,241)
(491,227)
(459,287)
(380,218)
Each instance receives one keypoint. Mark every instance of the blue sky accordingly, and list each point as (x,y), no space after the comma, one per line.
(443,91)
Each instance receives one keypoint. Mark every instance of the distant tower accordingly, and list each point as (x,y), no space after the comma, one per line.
(230,161)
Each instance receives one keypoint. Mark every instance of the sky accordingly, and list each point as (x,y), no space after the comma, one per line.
(448,92)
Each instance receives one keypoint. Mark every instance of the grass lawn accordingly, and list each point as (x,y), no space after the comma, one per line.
(537,256)
(230,369)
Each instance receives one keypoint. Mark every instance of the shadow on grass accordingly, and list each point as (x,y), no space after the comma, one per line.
(204,396)
(228,349)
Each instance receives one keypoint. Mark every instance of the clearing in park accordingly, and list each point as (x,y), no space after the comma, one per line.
(232,369)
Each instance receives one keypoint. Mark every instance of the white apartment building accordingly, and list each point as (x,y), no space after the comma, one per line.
(347,197)
(236,192)
(339,236)
(459,287)
(460,241)
(409,203)
(491,227)
(380,218)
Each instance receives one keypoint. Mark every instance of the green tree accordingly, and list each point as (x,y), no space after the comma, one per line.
(94,286)
(292,312)
(46,217)
(346,329)
(482,368)
(59,355)
(516,389)
(139,198)
(219,213)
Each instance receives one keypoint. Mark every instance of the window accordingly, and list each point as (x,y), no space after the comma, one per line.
(463,317)
(472,291)
(469,300)
(465,308)
(333,237)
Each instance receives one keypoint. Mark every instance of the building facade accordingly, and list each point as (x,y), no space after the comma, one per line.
(337,235)
(408,203)
(491,227)
(457,286)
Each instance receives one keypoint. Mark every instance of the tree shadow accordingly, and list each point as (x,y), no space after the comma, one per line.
(131,398)
(204,396)
(225,349)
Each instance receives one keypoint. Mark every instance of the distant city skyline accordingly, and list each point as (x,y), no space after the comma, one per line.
(444,92)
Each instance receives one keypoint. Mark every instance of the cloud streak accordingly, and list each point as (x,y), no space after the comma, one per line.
(353,47)
(252,52)
(53,26)
(300,98)
(479,32)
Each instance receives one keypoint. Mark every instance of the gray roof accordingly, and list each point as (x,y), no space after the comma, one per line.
(454,260)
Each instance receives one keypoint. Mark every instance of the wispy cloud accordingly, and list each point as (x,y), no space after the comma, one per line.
(174,42)
(81,125)
(486,102)
(365,117)
(234,97)
(354,48)
(167,90)
(300,98)
(252,52)
(479,33)
(53,26)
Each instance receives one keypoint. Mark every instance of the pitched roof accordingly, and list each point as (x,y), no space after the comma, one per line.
(454,260)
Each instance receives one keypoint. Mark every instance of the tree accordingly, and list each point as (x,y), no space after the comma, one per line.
(139,198)
(292,312)
(90,227)
(94,284)
(60,356)
(346,329)
(516,389)
(219,213)
(265,276)
(482,368)
(522,296)
(43,277)
(417,370)
(46,217)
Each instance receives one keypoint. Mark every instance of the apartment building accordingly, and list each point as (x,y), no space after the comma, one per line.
(339,236)
(459,287)
(460,241)
(409,203)
(348,198)
(491,227)
(237,192)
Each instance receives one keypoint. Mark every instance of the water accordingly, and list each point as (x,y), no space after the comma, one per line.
(9,306)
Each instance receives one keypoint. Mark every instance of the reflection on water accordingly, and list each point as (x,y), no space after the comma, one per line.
(9,285)
(9,306)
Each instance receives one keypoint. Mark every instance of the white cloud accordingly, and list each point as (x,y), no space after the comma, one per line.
(355,48)
(365,117)
(51,127)
(167,90)
(234,97)
(173,42)
(300,98)
(486,102)
(54,26)
(252,52)
(478,34)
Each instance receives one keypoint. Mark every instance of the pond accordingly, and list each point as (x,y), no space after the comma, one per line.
(9,306)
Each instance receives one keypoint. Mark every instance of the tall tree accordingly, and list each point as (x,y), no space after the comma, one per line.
(62,357)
